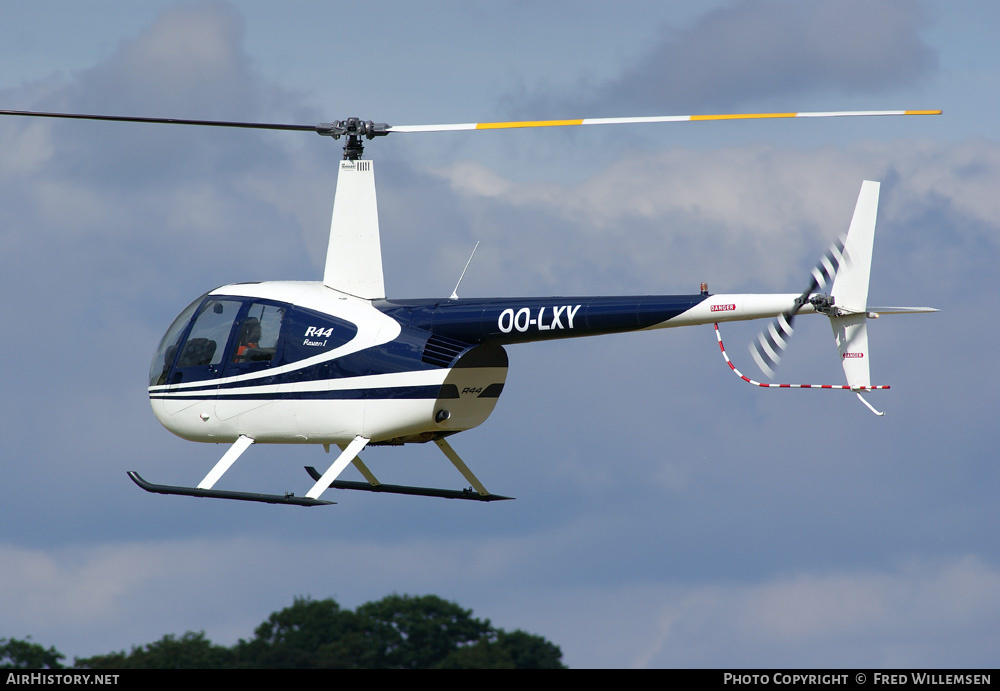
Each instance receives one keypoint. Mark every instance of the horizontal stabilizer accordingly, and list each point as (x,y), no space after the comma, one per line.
(901,310)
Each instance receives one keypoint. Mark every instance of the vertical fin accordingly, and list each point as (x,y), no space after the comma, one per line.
(354,255)
(850,290)
(850,287)
(851,333)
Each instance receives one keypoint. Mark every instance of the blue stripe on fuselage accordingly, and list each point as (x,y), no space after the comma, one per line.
(521,320)
(375,393)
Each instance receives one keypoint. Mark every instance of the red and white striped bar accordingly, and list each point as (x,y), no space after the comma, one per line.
(842,387)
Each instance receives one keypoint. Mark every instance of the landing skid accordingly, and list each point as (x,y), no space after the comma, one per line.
(225,494)
(323,481)
(477,492)
(204,488)
(467,493)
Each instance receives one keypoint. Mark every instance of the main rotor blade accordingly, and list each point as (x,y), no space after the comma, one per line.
(325,128)
(656,118)
(168,121)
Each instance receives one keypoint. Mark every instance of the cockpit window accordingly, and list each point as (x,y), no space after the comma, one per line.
(219,337)
(168,345)
(257,339)
(206,344)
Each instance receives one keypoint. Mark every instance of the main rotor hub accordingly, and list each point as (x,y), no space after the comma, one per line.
(354,129)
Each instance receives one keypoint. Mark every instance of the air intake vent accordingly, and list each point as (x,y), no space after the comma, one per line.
(442,351)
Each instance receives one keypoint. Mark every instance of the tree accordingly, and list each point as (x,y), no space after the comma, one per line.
(308,635)
(418,632)
(190,651)
(18,654)
(514,650)
(396,632)
(527,651)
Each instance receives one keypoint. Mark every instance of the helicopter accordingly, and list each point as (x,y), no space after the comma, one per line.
(337,363)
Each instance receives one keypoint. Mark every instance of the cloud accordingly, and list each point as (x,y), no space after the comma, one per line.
(915,614)
(91,599)
(159,199)
(760,49)
(189,63)
(919,613)
(752,213)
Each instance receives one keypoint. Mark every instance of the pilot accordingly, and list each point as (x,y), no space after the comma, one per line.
(249,338)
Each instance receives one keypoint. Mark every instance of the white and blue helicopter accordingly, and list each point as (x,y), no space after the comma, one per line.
(338,363)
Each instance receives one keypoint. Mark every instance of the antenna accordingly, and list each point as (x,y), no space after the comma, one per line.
(454,293)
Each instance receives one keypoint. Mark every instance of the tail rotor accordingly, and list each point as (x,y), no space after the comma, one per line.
(772,342)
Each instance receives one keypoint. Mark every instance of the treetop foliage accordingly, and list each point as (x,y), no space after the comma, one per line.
(396,632)
(17,654)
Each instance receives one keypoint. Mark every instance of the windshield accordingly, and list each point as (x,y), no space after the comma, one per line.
(168,345)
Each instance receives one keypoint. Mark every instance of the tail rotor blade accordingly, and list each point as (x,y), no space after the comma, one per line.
(826,269)
(771,343)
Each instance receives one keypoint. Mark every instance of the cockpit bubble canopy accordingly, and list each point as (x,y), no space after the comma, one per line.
(219,335)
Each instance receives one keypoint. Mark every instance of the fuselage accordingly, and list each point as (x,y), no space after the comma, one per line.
(299,362)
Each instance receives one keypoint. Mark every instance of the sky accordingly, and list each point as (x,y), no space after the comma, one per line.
(667,515)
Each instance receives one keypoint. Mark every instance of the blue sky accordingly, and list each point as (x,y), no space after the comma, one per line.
(666,514)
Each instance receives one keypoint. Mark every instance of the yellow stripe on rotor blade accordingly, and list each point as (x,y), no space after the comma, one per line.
(744,116)
(526,123)
(650,119)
